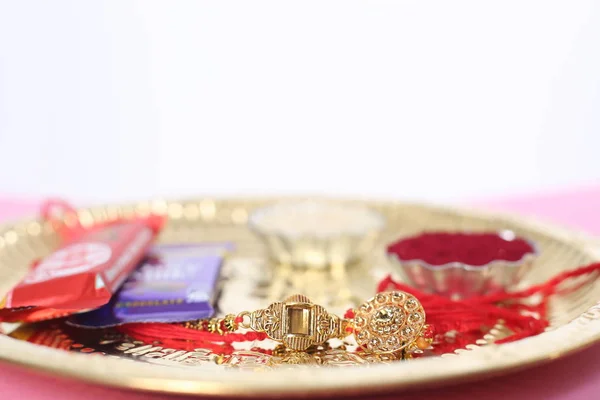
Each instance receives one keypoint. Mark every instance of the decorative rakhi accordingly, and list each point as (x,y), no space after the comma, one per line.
(387,323)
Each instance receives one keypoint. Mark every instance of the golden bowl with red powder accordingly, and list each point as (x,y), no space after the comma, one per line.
(463,264)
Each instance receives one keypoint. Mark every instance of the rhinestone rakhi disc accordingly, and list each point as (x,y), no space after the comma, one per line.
(389,322)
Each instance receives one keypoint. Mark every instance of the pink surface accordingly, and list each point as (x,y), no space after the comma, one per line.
(575,377)
(577,209)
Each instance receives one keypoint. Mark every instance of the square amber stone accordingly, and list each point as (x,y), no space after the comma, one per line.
(298,320)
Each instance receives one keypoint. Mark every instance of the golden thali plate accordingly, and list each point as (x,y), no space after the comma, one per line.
(250,281)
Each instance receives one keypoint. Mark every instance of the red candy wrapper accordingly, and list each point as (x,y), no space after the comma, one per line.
(83,273)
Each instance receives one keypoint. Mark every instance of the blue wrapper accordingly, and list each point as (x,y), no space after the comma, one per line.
(174,283)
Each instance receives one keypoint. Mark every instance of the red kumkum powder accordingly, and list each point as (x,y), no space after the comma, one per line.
(475,249)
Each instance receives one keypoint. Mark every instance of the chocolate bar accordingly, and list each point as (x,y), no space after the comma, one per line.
(82,274)
(174,283)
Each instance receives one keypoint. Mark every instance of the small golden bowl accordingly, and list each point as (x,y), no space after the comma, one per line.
(316,234)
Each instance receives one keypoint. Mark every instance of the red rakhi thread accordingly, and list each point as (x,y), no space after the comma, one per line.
(63,218)
(161,330)
(182,338)
(461,322)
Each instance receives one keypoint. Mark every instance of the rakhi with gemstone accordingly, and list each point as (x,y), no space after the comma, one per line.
(387,323)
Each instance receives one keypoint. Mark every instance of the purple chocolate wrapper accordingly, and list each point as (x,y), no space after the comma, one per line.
(174,283)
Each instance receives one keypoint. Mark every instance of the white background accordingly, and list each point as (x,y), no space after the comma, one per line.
(435,100)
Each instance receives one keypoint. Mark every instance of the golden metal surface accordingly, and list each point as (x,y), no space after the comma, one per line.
(297,322)
(574,318)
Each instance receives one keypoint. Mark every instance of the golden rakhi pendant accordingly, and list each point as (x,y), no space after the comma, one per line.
(391,321)
(296,322)
(387,323)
